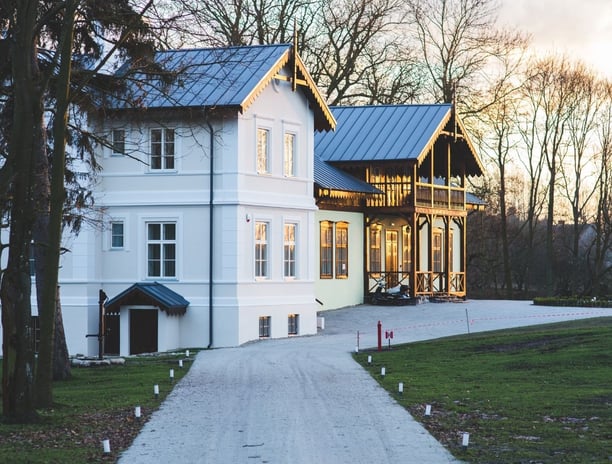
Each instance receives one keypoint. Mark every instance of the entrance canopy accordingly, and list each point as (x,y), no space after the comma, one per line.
(151,294)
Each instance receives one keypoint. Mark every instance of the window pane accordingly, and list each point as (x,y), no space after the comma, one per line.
(169,231)
(262,150)
(289,250)
(154,231)
(117,235)
(326,249)
(341,250)
(261,249)
(289,154)
(118,141)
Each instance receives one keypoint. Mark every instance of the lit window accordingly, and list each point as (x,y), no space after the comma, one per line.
(289,161)
(118,142)
(406,247)
(263,140)
(375,254)
(264,326)
(327,237)
(261,249)
(437,251)
(293,324)
(342,250)
(289,250)
(162,149)
(161,249)
(117,235)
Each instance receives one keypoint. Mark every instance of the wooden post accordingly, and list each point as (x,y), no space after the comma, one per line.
(101,324)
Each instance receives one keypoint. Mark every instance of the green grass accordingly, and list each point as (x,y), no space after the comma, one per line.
(96,404)
(541,394)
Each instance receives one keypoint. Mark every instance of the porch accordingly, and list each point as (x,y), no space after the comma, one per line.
(426,283)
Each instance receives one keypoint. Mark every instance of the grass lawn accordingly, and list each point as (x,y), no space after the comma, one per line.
(98,403)
(539,394)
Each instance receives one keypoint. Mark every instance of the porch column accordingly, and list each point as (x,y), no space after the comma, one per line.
(414,244)
(447,254)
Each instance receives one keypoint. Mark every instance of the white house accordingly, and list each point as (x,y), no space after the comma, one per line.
(234,209)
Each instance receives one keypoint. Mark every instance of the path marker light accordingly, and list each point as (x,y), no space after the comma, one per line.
(106,446)
(156,391)
(137,412)
(428,409)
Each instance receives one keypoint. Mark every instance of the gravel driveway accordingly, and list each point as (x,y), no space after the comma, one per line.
(304,400)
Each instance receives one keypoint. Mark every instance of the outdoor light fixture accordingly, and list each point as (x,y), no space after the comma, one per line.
(156,391)
(106,446)
(137,412)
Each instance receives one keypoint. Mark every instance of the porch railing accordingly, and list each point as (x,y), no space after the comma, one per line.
(427,282)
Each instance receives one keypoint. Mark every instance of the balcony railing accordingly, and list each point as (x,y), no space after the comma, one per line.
(398,194)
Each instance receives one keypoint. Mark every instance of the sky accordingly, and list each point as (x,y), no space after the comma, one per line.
(581,28)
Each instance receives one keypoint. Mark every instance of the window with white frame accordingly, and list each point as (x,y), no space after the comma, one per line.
(261,249)
(162,149)
(263,147)
(289,155)
(118,141)
(341,250)
(293,326)
(289,250)
(117,235)
(264,326)
(161,249)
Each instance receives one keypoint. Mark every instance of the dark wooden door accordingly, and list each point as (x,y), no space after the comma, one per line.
(143,331)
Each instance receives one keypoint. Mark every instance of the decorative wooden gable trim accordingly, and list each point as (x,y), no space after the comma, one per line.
(324,120)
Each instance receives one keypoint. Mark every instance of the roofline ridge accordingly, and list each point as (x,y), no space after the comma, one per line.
(391,105)
(227,47)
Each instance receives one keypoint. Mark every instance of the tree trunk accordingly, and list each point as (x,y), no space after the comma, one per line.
(47,299)
(15,290)
(61,359)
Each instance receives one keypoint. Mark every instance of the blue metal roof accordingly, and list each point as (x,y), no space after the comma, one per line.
(386,132)
(149,293)
(206,76)
(327,176)
(218,77)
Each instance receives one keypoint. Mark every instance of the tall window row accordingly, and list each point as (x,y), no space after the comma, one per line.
(334,250)
(262,258)
(263,149)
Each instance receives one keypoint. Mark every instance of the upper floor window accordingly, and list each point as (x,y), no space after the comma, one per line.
(341,250)
(117,237)
(261,249)
(118,141)
(161,249)
(263,147)
(162,149)
(289,155)
(289,250)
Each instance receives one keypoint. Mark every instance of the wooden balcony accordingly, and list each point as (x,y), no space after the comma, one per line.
(399,194)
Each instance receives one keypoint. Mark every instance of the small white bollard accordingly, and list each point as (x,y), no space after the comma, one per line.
(171,375)
(186,353)
(400,387)
(156,391)
(180,363)
(428,410)
(465,441)
(106,446)
(356,349)
(137,412)
(369,359)
(383,371)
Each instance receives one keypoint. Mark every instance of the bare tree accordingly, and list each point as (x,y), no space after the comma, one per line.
(460,43)
(575,175)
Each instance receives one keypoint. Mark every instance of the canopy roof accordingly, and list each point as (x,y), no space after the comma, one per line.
(150,294)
